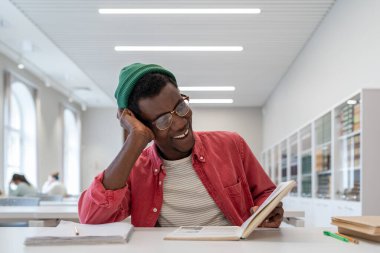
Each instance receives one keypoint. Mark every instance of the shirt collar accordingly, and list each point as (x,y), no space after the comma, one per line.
(197,154)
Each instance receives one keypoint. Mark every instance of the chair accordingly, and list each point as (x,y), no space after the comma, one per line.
(17,201)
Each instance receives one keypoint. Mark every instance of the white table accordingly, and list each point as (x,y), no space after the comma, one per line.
(38,212)
(58,203)
(50,213)
(38,216)
(145,240)
(65,212)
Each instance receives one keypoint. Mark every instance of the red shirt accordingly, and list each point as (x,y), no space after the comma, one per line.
(224,163)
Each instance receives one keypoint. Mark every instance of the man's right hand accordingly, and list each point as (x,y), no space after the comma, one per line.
(132,125)
(139,135)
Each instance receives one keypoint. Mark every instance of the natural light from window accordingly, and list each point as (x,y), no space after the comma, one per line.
(71,163)
(20,134)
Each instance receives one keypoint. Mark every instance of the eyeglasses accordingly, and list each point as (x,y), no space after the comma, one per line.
(182,109)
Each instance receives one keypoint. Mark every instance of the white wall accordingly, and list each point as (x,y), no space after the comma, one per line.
(247,121)
(102,138)
(49,122)
(102,134)
(342,56)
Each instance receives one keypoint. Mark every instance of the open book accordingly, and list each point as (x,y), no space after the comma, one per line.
(70,233)
(231,233)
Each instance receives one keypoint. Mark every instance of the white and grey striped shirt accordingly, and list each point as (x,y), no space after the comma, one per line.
(186,201)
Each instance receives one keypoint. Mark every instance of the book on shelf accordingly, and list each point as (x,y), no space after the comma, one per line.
(72,233)
(367,227)
(234,233)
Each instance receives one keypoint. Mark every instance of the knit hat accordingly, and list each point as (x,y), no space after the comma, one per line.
(130,75)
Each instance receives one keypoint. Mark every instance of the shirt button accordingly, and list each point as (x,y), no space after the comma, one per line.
(155,170)
(155,210)
(201,157)
(159,183)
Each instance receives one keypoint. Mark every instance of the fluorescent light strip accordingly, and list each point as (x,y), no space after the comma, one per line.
(207,88)
(180,11)
(179,48)
(211,101)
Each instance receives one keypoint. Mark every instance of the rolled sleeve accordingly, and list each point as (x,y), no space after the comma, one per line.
(99,205)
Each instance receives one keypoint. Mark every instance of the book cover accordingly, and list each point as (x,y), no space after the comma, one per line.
(364,224)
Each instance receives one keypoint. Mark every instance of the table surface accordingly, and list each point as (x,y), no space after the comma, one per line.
(58,203)
(65,212)
(294,240)
(38,212)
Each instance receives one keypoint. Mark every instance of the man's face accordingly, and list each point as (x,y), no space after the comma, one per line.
(171,142)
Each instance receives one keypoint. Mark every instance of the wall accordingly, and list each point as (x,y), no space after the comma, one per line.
(342,56)
(49,121)
(102,138)
(102,134)
(247,121)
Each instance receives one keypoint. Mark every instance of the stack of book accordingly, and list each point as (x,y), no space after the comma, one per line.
(366,227)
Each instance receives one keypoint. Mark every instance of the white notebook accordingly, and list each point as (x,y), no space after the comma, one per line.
(70,233)
(226,233)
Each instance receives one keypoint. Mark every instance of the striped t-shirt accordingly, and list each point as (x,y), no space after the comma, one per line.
(186,201)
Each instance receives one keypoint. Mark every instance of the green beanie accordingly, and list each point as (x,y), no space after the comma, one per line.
(130,75)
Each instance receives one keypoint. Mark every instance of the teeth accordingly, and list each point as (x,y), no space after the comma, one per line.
(182,135)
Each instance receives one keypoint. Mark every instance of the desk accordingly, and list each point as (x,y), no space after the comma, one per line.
(145,240)
(58,203)
(62,212)
(38,212)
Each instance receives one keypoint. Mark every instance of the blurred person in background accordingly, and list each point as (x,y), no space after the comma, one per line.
(19,186)
(53,186)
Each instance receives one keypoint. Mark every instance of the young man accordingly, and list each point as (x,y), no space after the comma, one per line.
(185,177)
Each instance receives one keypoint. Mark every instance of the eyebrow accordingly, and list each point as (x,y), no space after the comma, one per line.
(178,102)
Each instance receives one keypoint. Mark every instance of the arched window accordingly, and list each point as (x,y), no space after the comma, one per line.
(71,158)
(20,153)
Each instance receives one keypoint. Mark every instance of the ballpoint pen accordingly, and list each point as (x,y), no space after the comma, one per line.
(76,230)
(331,234)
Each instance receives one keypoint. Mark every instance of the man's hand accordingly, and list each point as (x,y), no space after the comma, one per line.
(274,219)
(133,126)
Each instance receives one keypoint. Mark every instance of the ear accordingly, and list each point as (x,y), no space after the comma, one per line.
(119,113)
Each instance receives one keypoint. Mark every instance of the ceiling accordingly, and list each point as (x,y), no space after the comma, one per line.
(73,45)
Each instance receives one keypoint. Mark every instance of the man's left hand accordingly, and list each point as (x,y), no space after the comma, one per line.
(274,219)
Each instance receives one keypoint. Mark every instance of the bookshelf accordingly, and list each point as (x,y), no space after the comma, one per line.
(276,156)
(322,156)
(348,166)
(293,161)
(334,159)
(306,162)
(284,161)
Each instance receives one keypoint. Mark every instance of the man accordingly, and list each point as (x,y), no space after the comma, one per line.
(185,177)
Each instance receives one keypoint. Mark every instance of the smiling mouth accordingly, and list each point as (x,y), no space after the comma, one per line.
(182,135)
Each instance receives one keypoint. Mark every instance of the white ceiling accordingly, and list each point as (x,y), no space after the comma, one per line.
(81,42)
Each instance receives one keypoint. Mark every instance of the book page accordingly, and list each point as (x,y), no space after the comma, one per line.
(205,233)
(67,229)
(272,196)
(71,233)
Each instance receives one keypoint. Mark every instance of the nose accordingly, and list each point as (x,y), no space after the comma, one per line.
(178,123)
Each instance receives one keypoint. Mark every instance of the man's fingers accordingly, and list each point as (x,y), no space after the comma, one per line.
(271,224)
(253,209)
